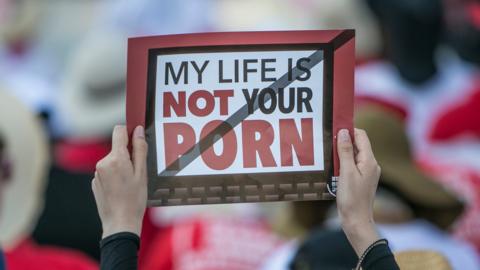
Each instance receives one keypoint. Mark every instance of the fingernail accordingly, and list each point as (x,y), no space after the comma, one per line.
(343,135)
(139,132)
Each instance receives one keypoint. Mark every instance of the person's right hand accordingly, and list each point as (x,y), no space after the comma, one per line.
(359,175)
(120,183)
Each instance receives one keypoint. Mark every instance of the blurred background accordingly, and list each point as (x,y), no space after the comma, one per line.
(62,89)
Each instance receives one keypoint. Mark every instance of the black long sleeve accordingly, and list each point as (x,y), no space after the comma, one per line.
(119,252)
(380,258)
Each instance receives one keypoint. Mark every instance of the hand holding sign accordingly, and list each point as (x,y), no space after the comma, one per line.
(120,184)
(359,174)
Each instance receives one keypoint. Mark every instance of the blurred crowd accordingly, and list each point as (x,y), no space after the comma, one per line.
(62,89)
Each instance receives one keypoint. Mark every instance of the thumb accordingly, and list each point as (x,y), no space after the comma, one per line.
(345,152)
(140,148)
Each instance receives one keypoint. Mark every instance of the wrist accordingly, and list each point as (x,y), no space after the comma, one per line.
(117,227)
(360,232)
(357,223)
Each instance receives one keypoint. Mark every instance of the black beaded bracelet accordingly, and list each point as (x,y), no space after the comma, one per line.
(365,253)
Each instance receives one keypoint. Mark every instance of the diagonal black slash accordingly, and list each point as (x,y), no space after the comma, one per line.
(236,118)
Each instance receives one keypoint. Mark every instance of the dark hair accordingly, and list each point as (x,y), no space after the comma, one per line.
(412,30)
(325,249)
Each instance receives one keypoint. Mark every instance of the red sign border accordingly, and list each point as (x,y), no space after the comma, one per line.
(342,42)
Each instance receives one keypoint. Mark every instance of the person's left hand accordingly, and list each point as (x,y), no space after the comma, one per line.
(120,183)
(359,175)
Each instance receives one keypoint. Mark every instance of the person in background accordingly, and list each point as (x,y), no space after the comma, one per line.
(120,190)
(410,203)
(24,162)
(412,211)
(91,101)
(436,93)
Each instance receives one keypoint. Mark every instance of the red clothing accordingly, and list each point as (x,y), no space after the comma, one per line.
(30,256)
(211,244)
(80,156)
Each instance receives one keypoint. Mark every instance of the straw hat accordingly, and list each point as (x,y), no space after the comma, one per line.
(26,145)
(390,145)
(421,260)
(92,99)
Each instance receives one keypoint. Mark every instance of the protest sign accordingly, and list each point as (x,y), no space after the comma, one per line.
(241,117)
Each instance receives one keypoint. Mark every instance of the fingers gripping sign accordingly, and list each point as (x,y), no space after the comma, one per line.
(359,174)
(120,183)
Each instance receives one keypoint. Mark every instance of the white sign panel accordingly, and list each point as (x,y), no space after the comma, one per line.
(238,112)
